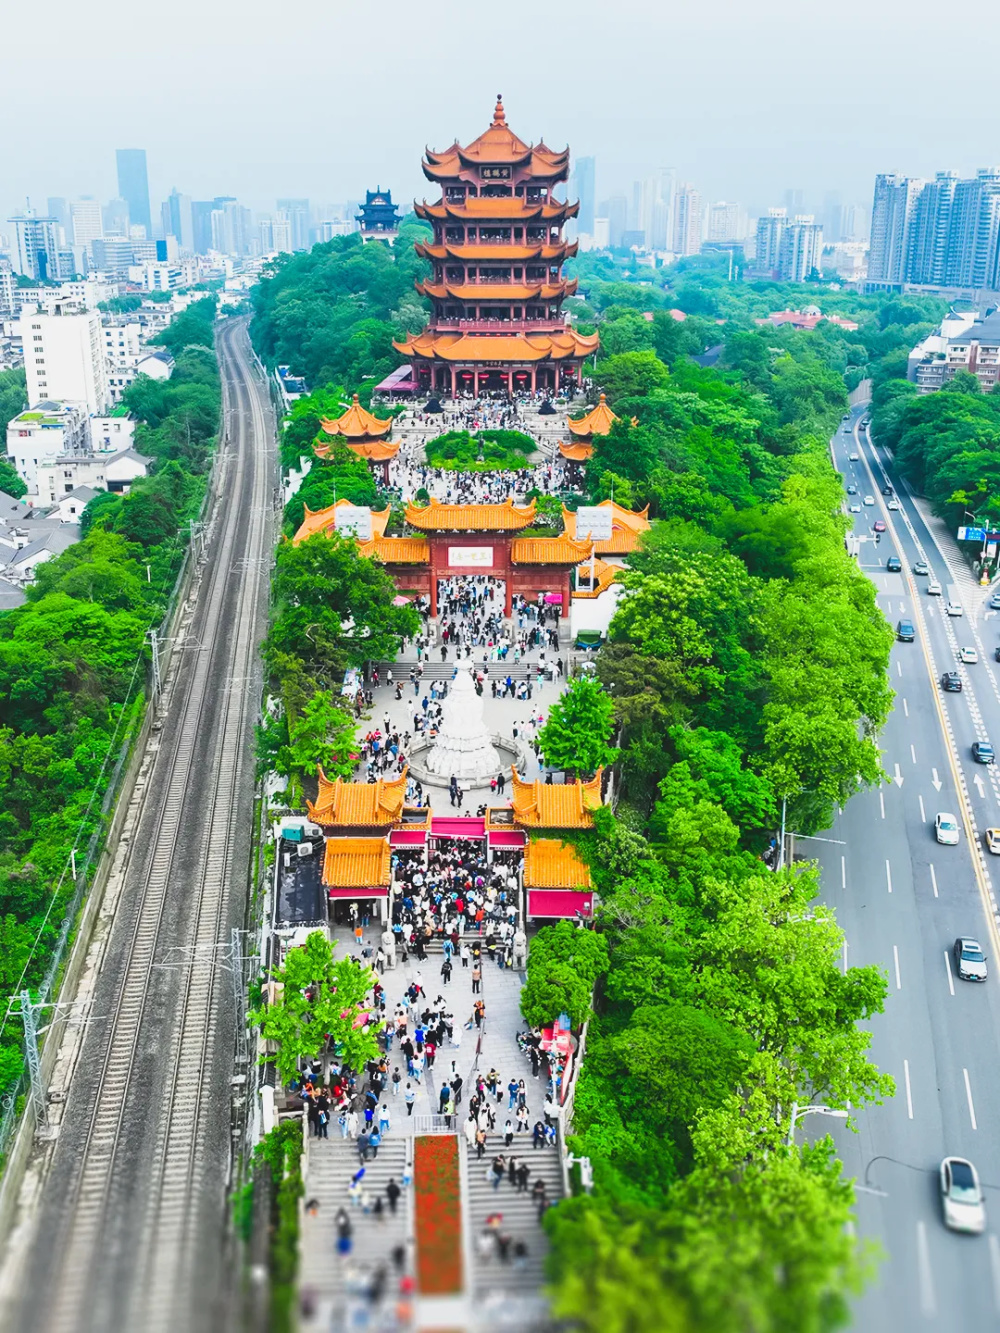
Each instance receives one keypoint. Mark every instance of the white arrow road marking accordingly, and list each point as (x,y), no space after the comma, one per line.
(936,782)
(979,785)
(898,779)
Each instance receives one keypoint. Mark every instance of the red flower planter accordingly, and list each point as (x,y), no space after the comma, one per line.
(438,1206)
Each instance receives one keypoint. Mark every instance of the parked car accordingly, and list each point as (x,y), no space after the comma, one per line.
(921,567)
(951,682)
(982,752)
(905,632)
(970,961)
(933,588)
(946,829)
(894,565)
(962,1203)
(968,655)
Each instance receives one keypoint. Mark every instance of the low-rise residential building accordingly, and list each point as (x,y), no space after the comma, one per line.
(99,472)
(43,433)
(935,358)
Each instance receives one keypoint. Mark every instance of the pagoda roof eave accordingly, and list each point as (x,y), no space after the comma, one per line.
(357,423)
(438,517)
(598,421)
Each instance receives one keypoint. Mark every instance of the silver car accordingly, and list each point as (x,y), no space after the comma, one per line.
(962,1197)
(970,961)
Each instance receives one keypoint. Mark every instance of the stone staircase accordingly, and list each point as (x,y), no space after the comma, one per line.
(497,1284)
(329,1282)
(445,670)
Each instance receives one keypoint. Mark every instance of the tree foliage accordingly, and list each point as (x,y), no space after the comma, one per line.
(576,737)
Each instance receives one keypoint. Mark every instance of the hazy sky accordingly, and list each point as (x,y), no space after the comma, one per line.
(260,100)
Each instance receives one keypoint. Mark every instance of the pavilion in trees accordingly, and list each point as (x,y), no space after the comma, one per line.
(364,434)
(496,284)
(379,217)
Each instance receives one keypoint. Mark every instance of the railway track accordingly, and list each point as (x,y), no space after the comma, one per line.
(141,1159)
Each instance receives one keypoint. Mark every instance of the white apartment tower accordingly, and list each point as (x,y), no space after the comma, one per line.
(88,223)
(64,357)
(687,220)
(769,230)
(801,249)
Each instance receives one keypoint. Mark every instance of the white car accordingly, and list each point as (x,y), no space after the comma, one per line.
(855,509)
(869,499)
(933,588)
(962,1197)
(893,504)
(992,837)
(946,829)
(853,458)
(968,655)
(953,608)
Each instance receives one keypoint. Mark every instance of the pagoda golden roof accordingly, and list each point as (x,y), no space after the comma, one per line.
(555,805)
(551,864)
(497,291)
(356,423)
(473,347)
(576,452)
(561,550)
(626,528)
(357,863)
(375,451)
(496,146)
(486,208)
(324,520)
(489,252)
(604,576)
(438,517)
(396,550)
(598,421)
(353,804)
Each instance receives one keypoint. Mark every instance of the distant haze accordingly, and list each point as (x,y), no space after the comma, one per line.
(324,100)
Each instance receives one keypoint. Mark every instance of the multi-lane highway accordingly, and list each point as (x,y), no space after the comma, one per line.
(901,899)
(128,1226)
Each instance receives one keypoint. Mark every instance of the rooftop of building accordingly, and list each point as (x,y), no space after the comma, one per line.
(569,805)
(357,423)
(357,863)
(438,517)
(552,864)
(598,421)
(325,520)
(626,528)
(985,330)
(496,146)
(353,804)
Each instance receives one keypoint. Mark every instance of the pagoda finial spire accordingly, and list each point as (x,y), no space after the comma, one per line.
(498,113)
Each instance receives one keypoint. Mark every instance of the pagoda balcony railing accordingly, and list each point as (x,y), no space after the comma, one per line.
(547,324)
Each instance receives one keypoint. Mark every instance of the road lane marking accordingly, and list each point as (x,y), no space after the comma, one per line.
(923,816)
(995,1267)
(947,968)
(843,872)
(913,754)
(888,876)
(906,1079)
(895,959)
(881,802)
(927,1302)
(968,1093)
(906,711)
(899,668)
(934,882)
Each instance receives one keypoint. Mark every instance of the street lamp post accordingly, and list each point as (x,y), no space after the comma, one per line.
(799,1111)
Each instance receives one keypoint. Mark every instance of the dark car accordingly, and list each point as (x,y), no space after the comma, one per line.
(951,682)
(982,752)
(879,525)
(852,490)
(905,632)
(996,654)
(970,961)
(894,565)
(886,490)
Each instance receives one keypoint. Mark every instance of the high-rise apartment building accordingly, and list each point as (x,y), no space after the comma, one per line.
(7,285)
(944,232)
(893,209)
(770,227)
(87,221)
(615,210)
(133,186)
(177,219)
(800,253)
(58,207)
(115,217)
(296,212)
(64,357)
(727,222)
(275,234)
(687,230)
(35,249)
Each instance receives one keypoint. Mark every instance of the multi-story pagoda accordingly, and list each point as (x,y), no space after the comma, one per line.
(497,286)
(379,217)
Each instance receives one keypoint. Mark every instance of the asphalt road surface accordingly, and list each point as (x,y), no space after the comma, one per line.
(901,899)
(131,1230)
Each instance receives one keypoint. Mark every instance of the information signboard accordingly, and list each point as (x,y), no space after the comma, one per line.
(594,523)
(354,521)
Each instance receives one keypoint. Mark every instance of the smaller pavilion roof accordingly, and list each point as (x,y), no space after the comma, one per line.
(438,517)
(563,805)
(375,451)
(356,803)
(561,550)
(626,528)
(598,421)
(551,864)
(356,423)
(577,452)
(324,520)
(397,550)
(604,576)
(357,863)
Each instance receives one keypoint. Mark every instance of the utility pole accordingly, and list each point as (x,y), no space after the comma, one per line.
(154,648)
(239,995)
